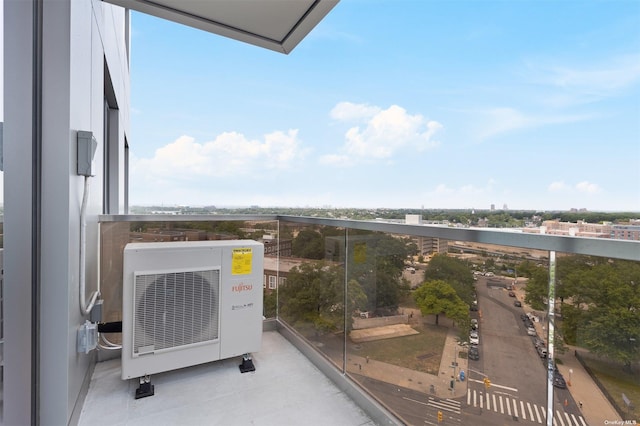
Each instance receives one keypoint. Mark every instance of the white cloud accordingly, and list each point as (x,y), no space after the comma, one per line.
(501,120)
(496,121)
(347,111)
(604,78)
(558,186)
(443,189)
(229,154)
(582,83)
(384,132)
(589,188)
(472,194)
(583,187)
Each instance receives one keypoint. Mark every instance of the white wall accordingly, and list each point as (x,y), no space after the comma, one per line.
(77,38)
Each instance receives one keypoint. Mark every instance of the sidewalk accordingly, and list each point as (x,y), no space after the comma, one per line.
(416,380)
(596,408)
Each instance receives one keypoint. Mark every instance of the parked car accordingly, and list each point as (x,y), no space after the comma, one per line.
(512,294)
(474,339)
(531,331)
(517,304)
(474,324)
(474,353)
(542,351)
(558,380)
(537,342)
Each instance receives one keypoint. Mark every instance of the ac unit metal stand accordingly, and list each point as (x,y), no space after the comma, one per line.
(145,389)
(247,364)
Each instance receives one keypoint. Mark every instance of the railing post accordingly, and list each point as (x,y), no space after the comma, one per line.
(345,301)
(551,296)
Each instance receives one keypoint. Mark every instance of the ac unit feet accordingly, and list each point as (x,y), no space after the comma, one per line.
(145,389)
(247,364)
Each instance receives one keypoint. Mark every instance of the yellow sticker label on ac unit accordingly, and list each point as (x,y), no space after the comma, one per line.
(241,261)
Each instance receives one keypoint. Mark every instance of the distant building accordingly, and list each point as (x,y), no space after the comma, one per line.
(275,247)
(626,232)
(276,271)
(622,231)
(413,219)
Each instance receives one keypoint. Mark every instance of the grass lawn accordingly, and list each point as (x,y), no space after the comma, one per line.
(420,352)
(618,381)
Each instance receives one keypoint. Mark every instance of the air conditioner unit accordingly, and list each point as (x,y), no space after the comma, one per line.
(188,303)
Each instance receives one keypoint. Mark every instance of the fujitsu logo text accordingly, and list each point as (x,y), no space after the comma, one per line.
(241,287)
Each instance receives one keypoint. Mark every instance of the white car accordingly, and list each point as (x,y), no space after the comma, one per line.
(474,339)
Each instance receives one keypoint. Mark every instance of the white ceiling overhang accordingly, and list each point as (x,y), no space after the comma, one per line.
(273,24)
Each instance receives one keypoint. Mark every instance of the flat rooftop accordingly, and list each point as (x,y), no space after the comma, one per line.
(285,389)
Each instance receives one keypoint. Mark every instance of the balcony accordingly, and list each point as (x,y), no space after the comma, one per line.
(346,341)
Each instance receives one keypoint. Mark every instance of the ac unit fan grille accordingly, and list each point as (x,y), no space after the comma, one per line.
(175,309)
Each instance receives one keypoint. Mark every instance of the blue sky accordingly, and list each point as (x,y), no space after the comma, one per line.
(398,104)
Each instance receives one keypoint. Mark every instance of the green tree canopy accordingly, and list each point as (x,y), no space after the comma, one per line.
(454,271)
(438,297)
(600,304)
(313,293)
(308,244)
(376,261)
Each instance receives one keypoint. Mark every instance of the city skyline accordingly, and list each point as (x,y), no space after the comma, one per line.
(395,104)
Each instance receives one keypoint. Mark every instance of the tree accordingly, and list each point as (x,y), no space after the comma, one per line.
(376,261)
(600,302)
(356,297)
(455,272)
(313,293)
(537,289)
(438,297)
(308,244)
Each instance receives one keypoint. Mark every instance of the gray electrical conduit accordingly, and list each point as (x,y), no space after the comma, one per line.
(83,255)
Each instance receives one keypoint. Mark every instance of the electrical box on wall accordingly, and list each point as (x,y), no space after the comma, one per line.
(87,145)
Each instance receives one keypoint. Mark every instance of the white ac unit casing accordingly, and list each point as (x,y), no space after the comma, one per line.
(188,303)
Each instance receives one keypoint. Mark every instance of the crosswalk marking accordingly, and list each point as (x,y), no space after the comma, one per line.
(515,407)
(535,407)
(445,404)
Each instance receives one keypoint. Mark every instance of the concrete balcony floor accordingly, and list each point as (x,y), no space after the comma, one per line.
(285,389)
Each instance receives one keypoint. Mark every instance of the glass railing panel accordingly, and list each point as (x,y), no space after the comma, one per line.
(597,318)
(434,327)
(444,330)
(311,298)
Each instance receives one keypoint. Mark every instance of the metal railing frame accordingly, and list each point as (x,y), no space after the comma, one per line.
(608,248)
